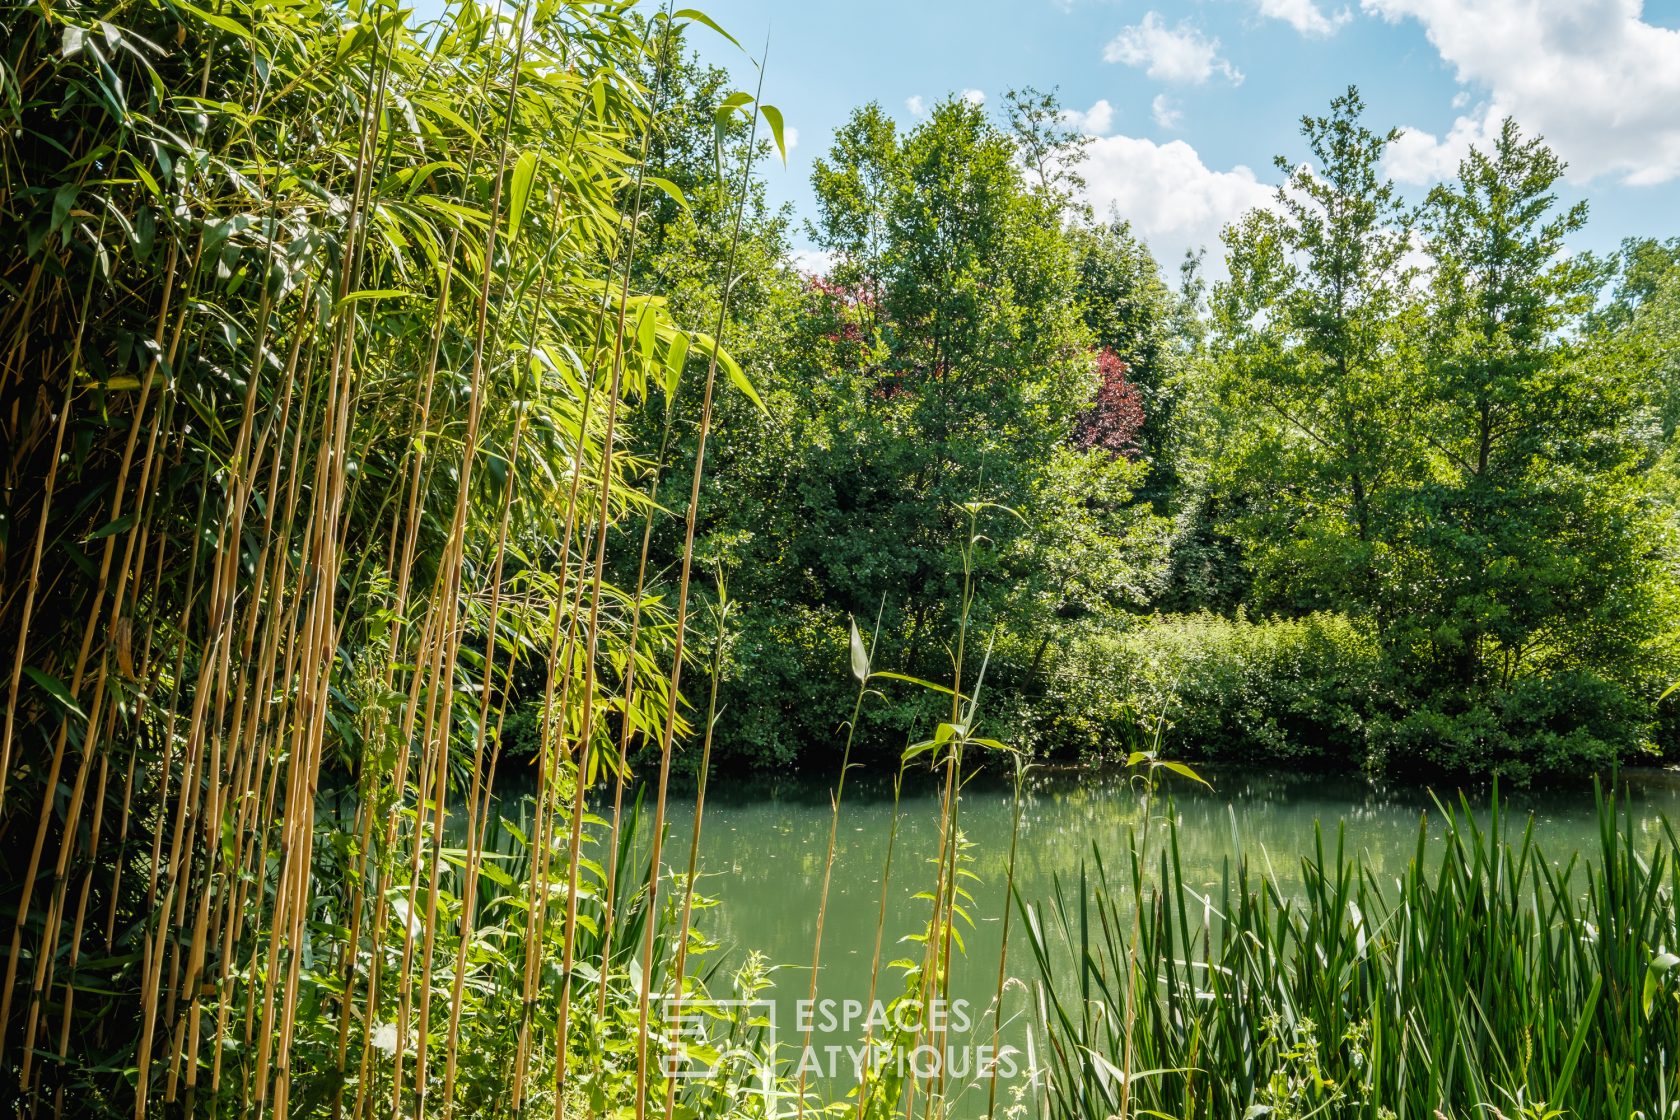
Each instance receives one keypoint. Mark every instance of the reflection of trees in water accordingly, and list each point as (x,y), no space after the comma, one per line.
(762,841)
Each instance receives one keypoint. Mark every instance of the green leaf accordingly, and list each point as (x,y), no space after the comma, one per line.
(220,22)
(913,680)
(860,656)
(916,749)
(676,355)
(773,116)
(1184,771)
(729,107)
(702,18)
(519,191)
(56,688)
(731,368)
(674,192)
(119,525)
(647,324)
(371,293)
(63,200)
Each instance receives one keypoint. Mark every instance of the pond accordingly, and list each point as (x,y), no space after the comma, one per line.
(763,846)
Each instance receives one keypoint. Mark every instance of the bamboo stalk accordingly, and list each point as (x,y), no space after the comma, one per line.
(675,679)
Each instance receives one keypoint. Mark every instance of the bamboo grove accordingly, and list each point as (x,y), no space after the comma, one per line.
(316,350)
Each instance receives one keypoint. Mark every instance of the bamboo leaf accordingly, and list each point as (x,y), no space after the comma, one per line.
(56,689)
(670,189)
(773,116)
(698,16)
(725,110)
(730,368)
(121,524)
(519,191)
(372,293)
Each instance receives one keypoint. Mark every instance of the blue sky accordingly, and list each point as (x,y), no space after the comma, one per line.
(1189,101)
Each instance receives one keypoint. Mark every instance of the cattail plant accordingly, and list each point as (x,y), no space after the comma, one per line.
(1485,978)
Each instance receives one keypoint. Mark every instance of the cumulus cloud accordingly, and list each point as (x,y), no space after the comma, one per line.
(1173,199)
(1166,114)
(1098,120)
(917,107)
(811,261)
(1305,16)
(1422,157)
(973,96)
(1592,76)
(790,137)
(1170,54)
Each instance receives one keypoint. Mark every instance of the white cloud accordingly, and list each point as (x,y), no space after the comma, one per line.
(1305,16)
(1098,120)
(1167,115)
(973,96)
(1170,54)
(1421,157)
(917,107)
(1173,200)
(1592,76)
(790,137)
(811,261)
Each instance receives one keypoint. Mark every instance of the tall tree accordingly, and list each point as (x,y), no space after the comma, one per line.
(1309,339)
(942,360)
(1526,560)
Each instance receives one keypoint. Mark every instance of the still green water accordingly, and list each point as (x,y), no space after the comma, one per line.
(763,846)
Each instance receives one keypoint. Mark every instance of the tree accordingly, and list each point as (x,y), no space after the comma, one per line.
(1454,463)
(942,360)
(1133,315)
(1309,342)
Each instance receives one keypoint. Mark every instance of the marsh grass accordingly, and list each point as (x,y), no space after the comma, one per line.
(1484,980)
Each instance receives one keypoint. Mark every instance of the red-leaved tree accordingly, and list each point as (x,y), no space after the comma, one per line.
(1114,421)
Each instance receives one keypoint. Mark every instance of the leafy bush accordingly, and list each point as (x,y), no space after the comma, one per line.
(788,687)
(1320,690)
(1230,688)
(1567,722)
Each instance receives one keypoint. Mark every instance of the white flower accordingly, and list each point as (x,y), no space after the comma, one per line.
(385,1038)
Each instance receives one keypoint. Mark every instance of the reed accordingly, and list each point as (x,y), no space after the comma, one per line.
(1486,979)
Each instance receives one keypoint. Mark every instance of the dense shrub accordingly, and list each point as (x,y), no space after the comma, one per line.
(1230,689)
(1318,690)
(788,688)
(1568,722)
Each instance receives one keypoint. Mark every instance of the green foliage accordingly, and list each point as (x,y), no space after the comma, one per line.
(1130,311)
(942,360)
(1231,690)
(1548,725)
(1308,333)
(1457,462)
(310,420)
